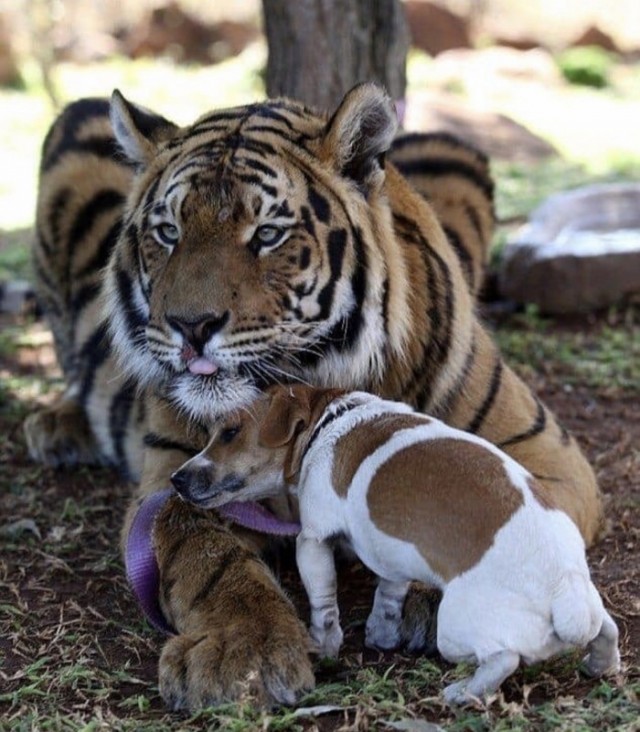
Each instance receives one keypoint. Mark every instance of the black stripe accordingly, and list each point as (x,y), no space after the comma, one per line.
(94,353)
(439,314)
(440,167)
(148,199)
(336,247)
(350,326)
(103,201)
(269,112)
(42,241)
(466,260)
(57,209)
(494,386)
(103,251)
(71,118)
(257,181)
(97,145)
(454,391)
(43,275)
(385,308)
(327,418)
(425,139)
(233,555)
(258,146)
(277,132)
(82,296)
(172,554)
(473,217)
(158,442)
(134,320)
(259,166)
(536,428)
(119,413)
(319,204)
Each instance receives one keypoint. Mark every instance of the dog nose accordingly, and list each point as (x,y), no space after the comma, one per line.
(180,481)
(197,332)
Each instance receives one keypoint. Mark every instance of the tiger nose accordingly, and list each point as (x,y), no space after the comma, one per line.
(197,332)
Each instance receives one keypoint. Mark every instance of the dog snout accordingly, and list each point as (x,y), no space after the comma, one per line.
(181,480)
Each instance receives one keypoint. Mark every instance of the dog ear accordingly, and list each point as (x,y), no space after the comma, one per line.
(288,413)
(293,411)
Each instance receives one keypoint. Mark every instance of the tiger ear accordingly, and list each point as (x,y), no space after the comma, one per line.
(359,134)
(138,130)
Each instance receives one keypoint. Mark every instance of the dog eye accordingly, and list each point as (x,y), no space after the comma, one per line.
(226,436)
(167,234)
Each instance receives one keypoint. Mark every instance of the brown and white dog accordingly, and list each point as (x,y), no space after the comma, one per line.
(417,500)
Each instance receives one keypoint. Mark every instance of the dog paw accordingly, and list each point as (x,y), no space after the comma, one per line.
(597,664)
(327,640)
(457,694)
(381,632)
(198,671)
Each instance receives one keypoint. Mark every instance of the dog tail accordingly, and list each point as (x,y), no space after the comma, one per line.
(576,610)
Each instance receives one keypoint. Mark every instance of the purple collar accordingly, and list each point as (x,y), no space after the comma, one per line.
(140,559)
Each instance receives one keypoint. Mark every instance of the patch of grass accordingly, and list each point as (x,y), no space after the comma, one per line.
(607,358)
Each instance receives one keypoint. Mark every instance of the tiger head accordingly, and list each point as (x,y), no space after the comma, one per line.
(247,251)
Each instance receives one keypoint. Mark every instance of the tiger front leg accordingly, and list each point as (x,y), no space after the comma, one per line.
(238,635)
(318,572)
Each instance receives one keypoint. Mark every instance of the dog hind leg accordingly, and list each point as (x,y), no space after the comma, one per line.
(603,655)
(487,678)
(383,623)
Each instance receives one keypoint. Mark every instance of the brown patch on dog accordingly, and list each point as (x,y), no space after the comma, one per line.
(542,493)
(363,440)
(448,497)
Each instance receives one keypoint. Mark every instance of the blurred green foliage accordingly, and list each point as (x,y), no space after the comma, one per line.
(586,66)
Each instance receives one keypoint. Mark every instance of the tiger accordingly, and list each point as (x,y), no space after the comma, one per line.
(183,269)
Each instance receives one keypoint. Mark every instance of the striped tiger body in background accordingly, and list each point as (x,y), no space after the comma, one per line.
(183,269)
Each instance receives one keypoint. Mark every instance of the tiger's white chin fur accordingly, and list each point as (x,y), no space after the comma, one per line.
(205,398)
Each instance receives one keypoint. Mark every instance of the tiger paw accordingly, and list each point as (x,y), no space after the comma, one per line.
(60,435)
(197,671)
(419,627)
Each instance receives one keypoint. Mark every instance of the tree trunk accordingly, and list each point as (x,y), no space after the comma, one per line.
(319,49)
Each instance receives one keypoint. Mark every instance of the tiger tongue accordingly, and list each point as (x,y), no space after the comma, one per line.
(202,366)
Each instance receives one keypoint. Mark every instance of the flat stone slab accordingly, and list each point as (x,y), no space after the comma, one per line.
(579,251)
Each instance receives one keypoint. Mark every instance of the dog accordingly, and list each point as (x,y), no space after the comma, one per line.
(416,500)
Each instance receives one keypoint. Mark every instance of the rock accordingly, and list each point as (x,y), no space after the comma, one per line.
(169,30)
(497,135)
(17,297)
(594,36)
(580,251)
(476,67)
(520,42)
(435,29)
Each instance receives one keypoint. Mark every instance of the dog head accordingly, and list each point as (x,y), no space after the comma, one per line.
(254,453)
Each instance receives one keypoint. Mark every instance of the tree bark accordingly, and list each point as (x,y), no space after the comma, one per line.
(319,49)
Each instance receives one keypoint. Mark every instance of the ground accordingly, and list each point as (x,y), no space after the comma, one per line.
(76,651)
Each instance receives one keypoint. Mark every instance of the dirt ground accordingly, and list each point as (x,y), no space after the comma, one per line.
(70,630)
